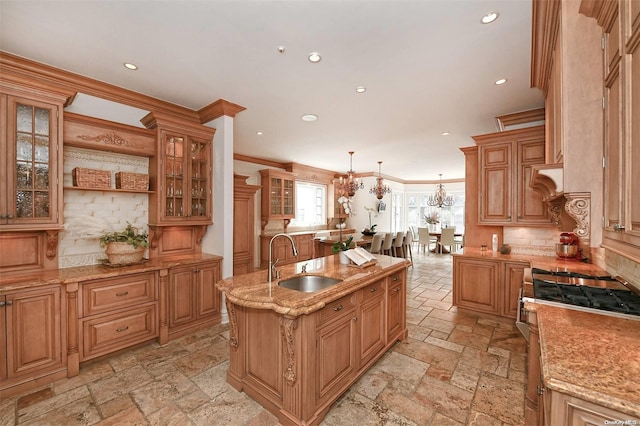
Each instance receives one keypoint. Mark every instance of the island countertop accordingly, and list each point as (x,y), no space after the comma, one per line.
(590,356)
(254,291)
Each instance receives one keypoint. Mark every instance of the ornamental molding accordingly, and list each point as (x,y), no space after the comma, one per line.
(578,206)
(111,138)
(233,325)
(287,328)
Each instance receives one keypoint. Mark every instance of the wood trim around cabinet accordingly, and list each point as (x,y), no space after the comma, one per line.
(218,109)
(544,34)
(93,133)
(522,117)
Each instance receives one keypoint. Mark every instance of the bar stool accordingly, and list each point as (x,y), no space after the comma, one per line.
(387,243)
(398,244)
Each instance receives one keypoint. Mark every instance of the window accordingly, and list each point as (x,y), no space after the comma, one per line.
(311,204)
(417,209)
(396,211)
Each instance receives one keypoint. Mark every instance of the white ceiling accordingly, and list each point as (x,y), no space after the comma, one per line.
(429,66)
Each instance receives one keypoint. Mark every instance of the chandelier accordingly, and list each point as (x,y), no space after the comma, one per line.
(379,188)
(440,197)
(349,186)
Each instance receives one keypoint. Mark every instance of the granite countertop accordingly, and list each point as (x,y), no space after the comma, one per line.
(252,290)
(551,263)
(294,233)
(590,356)
(85,273)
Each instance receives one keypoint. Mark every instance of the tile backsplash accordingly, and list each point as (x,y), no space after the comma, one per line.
(535,241)
(88,213)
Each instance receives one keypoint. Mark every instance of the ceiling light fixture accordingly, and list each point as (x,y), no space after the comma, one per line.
(489,17)
(314,57)
(130,66)
(501,81)
(361,89)
(379,188)
(309,117)
(281,49)
(259,133)
(440,197)
(445,133)
(349,185)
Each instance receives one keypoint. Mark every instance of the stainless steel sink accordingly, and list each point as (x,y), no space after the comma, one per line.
(308,283)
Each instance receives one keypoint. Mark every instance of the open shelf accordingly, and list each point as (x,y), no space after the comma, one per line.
(135,191)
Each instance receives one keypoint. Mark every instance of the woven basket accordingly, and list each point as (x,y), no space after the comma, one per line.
(91,178)
(132,181)
(121,253)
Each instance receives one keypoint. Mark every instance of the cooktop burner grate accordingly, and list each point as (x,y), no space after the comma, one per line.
(537,271)
(622,301)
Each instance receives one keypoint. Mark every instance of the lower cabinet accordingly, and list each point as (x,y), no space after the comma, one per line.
(194,300)
(297,367)
(487,285)
(116,313)
(32,338)
(563,409)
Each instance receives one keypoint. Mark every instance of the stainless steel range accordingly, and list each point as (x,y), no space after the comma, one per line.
(604,295)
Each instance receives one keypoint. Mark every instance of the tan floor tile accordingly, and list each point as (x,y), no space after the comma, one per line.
(444,398)
(52,404)
(500,398)
(131,416)
(116,405)
(169,415)
(79,411)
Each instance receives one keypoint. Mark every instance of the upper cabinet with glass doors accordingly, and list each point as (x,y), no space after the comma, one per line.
(183,171)
(30,160)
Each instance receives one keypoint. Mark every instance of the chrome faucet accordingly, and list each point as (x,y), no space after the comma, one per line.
(272,264)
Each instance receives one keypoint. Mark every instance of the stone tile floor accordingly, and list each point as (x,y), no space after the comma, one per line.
(454,369)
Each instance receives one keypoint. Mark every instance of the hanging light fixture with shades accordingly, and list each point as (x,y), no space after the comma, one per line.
(349,186)
(379,188)
(440,197)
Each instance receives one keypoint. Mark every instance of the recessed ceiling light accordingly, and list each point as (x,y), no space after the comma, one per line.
(361,89)
(259,133)
(501,81)
(130,66)
(489,17)
(281,49)
(446,133)
(309,117)
(314,57)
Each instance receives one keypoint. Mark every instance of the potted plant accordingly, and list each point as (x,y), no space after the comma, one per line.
(125,247)
(339,246)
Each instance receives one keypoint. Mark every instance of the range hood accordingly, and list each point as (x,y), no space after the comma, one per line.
(570,211)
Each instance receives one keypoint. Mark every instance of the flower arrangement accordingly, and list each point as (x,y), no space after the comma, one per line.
(130,235)
(372,228)
(432,218)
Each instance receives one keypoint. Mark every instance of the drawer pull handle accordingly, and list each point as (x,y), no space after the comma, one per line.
(9,302)
(397,290)
(123,293)
(374,289)
(122,329)
(395,278)
(338,308)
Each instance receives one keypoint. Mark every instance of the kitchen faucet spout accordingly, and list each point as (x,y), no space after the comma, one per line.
(272,264)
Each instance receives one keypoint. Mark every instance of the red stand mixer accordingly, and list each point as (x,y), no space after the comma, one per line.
(569,247)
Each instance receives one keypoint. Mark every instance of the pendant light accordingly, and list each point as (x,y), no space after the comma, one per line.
(349,186)
(379,188)
(440,197)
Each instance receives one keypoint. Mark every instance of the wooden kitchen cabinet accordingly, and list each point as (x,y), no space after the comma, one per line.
(116,313)
(621,94)
(487,285)
(371,322)
(183,171)
(563,409)
(505,162)
(31,160)
(194,300)
(32,337)
(396,307)
(283,251)
(278,196)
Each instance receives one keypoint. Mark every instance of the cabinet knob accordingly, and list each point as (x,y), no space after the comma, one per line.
(9,302)
(374,289)
(338,308)
(397,290)
(2,304)
(9,216)
(3,216)
(618,227)
(540,390)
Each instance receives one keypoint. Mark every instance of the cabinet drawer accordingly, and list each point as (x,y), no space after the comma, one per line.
(108,333)
(336,309)
(105,295)
(373,291)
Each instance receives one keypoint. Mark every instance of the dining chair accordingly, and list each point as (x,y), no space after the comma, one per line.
(408,241)
(387,243)
(376,243)
(458,241)
(414,234)
(425,240)
(397,245)
(446,239)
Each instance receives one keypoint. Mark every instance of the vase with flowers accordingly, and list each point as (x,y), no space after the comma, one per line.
(432,219)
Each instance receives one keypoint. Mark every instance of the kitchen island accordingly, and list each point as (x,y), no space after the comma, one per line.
(295,352)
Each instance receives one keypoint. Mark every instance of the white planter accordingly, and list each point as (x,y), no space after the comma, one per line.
(343,258)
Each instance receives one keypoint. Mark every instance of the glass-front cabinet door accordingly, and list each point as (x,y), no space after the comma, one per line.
(186,174)
(29,193)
